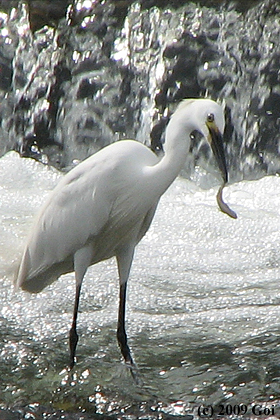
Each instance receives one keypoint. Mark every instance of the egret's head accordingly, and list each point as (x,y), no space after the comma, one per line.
(206,117)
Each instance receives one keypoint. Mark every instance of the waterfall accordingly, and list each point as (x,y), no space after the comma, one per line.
(97,73)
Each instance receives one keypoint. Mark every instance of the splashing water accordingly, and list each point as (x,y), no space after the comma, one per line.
(106,72)
(202,317)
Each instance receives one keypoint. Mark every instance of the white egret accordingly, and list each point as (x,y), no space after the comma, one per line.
(104,206)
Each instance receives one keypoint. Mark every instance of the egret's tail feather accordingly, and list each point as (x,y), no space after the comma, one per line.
(36,281)
(22,270)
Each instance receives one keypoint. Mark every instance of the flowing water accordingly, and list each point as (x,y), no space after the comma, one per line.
(203,299)
(110,70)
(203,308)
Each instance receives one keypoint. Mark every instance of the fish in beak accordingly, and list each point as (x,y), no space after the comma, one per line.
(215,140)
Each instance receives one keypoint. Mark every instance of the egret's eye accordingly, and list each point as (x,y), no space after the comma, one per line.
(210,118)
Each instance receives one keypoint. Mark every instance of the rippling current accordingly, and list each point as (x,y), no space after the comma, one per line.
(202,319)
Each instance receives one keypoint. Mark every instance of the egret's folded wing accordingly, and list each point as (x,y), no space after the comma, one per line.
(76,210)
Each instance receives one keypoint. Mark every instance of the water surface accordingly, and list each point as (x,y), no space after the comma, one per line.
(203,307)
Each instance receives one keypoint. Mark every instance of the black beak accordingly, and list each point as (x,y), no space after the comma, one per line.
(216,141)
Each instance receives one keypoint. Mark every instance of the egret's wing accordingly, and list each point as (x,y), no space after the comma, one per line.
(76,210)
(104,188)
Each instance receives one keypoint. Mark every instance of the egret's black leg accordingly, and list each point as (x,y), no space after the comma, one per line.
(122,337)
(82,259)
(73,336)
(124,259)
(121,334)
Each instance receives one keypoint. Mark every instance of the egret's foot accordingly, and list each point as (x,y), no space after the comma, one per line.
(71,363)
(136,376)
(134,372)
(73,341)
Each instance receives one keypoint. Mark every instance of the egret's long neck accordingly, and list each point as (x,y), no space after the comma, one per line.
(176,150)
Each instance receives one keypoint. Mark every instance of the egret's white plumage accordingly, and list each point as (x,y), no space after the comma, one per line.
(104,206)
(96,203)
